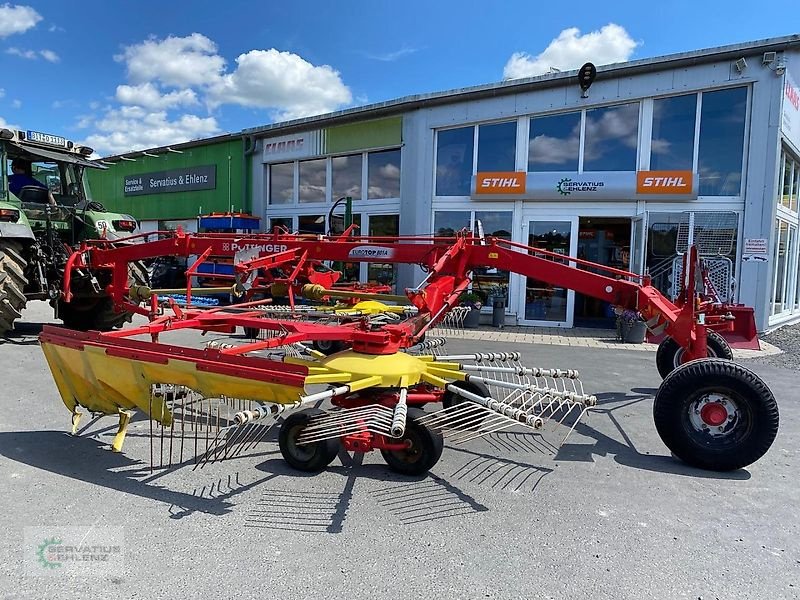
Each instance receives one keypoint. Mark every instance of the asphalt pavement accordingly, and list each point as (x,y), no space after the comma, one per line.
(609,515)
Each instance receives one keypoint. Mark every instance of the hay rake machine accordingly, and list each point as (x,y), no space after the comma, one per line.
(389,381)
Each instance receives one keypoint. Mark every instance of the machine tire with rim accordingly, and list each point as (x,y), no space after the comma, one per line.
(715,414)
(311,458)
(424,447)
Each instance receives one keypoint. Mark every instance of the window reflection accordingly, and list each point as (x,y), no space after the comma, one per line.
(611,135)
(346,176)
(454,149)
(722,142)
(383,174)
(446,223)
(281,183)
(544,301)
(497,146)
(672,146)
(313,174)
(493,282)
(554,143)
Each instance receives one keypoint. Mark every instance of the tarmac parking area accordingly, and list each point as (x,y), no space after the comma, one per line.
(608,515)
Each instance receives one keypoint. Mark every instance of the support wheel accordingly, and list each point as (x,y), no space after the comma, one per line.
(311,458)
(328,347)
(424,447)
(669,355)
(715,414)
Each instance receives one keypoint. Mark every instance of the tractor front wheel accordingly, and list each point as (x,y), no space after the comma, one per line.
(424,447)
(715,414)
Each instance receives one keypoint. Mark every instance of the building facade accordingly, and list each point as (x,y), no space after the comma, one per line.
(168,187)
(698,148)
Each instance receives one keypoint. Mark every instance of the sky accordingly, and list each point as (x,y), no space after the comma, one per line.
(123,75)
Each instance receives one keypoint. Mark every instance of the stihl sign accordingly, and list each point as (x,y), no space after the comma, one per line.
(664,182)
(500,183)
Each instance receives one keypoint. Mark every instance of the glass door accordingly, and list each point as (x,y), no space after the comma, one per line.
(545,304)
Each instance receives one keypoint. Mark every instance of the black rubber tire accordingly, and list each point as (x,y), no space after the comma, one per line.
(476,387)
(669,353)
(311,458)
(425,450)
(749,434)
(328,347)
(12,283)
(98,314)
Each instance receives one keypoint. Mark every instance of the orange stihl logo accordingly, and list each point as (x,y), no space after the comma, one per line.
(664,182)
(500,183)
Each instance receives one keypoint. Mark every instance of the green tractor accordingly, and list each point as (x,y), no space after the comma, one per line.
(45,212)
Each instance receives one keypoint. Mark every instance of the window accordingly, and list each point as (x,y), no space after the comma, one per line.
(281,183)
(454,149)
(312,180)
(554,143)
(285,222)
(311,224)
(611,138)
(491,281)
(382,225)
(446,223)
(383,174)
(672,145)
(346,176)
(722,118)
(497,146)
(790,170)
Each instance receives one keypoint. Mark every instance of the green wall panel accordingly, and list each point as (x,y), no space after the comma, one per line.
(363,136)
(108,186)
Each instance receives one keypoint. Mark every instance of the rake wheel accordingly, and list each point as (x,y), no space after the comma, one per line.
(424,450)
(313,457)
(715,414)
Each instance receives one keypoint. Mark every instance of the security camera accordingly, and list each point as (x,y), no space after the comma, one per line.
(740,65)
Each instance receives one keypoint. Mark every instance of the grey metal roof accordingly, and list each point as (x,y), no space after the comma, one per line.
(515,86)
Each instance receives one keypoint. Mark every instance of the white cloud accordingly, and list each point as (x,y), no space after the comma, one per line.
(609,44)
(174,61)
(174,73)
(2,92)
(17,19)
(16,103)
(6,125)
(54,28)
(50,56)
(134,128)
(149,96)
(393,56)
(29,54)
(282,81)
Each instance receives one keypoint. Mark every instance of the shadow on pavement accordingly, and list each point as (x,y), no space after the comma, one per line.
(56,452)
(625,452)
(23,334)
